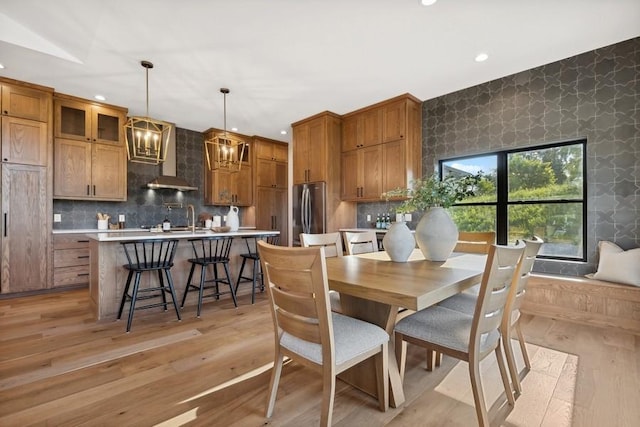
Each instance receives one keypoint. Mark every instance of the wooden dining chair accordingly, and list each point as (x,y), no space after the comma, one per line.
(466,302)
(333,248)
(476,242)
(308,332)
(360,242)
(468,337)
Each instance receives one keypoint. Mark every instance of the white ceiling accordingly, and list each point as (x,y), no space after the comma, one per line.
(285,60)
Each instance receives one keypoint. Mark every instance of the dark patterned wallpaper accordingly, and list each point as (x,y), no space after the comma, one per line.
(595,95)
(144,206)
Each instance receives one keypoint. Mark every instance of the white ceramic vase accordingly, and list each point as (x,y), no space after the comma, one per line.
(398,242)
(436,234)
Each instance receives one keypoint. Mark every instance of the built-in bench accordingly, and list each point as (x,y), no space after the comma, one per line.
(584,300)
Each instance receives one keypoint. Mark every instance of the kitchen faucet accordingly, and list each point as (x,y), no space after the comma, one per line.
(191,226)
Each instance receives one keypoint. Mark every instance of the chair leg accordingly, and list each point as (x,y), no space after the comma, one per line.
(186,288)
(382,377)
(511,362)
(173,293)
(244,261)
(478,394)
(504,375)
(134,295)
(125,293)
(523,346)
(275,380)
(162,292)
(328,394)
(233,293)
(203,275)
(255,278)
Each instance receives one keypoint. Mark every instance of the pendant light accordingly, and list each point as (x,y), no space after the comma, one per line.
(147,139)
(224,151)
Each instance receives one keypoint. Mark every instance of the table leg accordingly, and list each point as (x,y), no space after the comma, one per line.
(362,376)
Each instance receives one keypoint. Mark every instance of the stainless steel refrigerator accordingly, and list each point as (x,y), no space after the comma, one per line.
(309,207)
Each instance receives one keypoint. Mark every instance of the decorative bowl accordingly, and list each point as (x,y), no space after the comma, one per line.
(221,229)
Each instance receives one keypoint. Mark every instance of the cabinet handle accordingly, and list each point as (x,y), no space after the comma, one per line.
(82,241)
(94,190)
(5,224)
(83,274)
(83,256)
(88,139)
(6,112)
(88,190)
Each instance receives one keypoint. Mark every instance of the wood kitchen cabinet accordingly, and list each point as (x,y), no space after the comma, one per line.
(271,211)
(368,170)
(315,142)
(88,121)
(226,187)
(71,260)
(24,102)
(90,156)
(25,228)
(362,129)
(362,174)
(271,184)
(89,171)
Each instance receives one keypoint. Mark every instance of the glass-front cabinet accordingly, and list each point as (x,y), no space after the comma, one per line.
(88,122)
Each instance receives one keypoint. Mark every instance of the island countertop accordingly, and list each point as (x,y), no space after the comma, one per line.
(115,236)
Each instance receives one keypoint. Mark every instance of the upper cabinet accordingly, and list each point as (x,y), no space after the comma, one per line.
(315,140)
(90,156)
(229,186)
(381,148)
(89,122)
(25,124)
(271,163)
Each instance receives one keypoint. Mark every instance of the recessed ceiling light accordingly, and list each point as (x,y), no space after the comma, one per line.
(100,98)
(1,66)
(234,129)
(283,132)
(428,2)
(481,57)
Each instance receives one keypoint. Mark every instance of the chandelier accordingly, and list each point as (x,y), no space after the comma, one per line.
(224,151)
(147,139)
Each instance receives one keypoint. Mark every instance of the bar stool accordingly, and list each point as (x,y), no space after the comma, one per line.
(212,251)
(252,254)
(149,255)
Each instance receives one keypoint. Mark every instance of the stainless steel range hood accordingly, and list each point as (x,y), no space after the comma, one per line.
(168,179)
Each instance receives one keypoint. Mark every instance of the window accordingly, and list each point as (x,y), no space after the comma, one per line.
(536,191)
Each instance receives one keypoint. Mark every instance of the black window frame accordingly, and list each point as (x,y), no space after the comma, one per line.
(502,192)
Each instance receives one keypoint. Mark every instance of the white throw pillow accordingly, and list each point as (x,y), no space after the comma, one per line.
(618,265)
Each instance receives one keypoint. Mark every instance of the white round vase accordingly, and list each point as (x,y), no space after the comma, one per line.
(436,234)
(398,242)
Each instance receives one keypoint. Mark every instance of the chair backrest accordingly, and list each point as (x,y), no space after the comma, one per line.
(330,241)
(532,247)
(503,262)
(296,281)
(252,241)
(360,242)
(151,254)
(477,242)
(212,249)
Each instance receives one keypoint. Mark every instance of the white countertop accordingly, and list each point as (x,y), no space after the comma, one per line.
(377,230)
(126,230)
(120,235)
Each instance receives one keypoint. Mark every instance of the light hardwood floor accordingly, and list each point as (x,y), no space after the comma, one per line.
(58,367)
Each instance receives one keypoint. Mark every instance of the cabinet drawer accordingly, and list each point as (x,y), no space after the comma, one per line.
(66,276)
(70,257)
(70,241)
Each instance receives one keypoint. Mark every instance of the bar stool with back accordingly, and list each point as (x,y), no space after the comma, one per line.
(210,251)
(149,255)
(253,255)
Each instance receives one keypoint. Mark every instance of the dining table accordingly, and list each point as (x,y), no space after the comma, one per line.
(374,288)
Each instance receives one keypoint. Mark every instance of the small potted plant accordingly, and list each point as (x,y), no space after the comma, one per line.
(436,233)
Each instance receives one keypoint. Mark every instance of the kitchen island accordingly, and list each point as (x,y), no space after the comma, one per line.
(108,276)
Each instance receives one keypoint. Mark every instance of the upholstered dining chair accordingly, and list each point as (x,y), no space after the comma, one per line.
(333,248)
(468,337)
(308,332)
(466,302)
(360,242)
(477,242)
